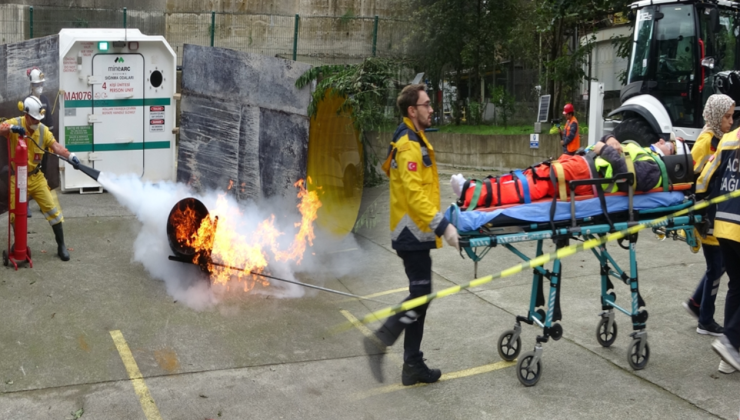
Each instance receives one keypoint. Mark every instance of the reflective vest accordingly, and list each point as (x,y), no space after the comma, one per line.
(576,143)
(635,152)
(720,176)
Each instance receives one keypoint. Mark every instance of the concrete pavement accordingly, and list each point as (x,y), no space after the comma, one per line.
(258,357)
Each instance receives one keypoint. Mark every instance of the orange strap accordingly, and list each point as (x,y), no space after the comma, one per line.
(560,173)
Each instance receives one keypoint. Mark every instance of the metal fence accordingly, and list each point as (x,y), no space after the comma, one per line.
(312,39)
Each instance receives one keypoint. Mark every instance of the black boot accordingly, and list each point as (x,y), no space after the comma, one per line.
(415,371)
(61,248)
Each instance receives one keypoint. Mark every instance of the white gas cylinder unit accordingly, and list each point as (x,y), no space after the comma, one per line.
(117,106)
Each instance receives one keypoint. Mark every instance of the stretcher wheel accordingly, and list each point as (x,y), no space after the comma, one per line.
(604,337)
(556,332)
(638,360)
(527,374)
(507,349)
(5,258)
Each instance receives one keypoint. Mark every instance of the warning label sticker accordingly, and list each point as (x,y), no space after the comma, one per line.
(156,126)
(156,112)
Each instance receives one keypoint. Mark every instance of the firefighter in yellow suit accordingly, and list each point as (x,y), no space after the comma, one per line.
(39,139)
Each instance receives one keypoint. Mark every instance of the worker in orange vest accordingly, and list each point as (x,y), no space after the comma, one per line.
(571,138)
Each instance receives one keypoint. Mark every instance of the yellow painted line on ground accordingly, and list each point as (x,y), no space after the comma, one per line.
(374,295)
(367,333)
(445,377)
(145,398)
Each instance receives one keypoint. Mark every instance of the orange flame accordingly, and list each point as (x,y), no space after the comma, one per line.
(219,239)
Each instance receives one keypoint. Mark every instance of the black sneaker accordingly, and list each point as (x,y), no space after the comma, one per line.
(415,371)
(710,329)
(375,350)
(692,309)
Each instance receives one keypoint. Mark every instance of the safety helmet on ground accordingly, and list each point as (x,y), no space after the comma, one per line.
(568,109)
(35,75)
(33,107)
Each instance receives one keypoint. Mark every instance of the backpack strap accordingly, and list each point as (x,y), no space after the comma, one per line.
(560,174)
(631,168)
(663,172)
(476,196)
(525,185)
(489,192)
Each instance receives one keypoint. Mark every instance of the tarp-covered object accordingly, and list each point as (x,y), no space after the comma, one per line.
(243,123)
(15,60)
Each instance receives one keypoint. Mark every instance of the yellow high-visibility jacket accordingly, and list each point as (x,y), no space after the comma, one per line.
(721,175)
(416,220)
(704,148)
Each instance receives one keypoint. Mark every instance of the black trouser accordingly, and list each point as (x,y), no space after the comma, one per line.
(731,255)
(418,266)
(706,291)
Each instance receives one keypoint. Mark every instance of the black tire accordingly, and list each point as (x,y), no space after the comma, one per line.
(507,349)
(604,337)
(5,258)
(528,375)
(637,129)
(636,360)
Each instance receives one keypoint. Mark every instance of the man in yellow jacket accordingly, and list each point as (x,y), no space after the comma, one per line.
(417,224)
(39,139)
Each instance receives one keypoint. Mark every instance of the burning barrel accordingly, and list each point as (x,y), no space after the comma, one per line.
(190,232)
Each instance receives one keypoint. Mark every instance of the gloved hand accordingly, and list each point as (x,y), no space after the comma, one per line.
(18,130)
(74,161)
(452,237)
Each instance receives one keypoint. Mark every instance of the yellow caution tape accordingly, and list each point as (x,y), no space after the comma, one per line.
(535,262)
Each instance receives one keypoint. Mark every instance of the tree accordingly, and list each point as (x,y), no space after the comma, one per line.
(561,23)
(461,38)
(365,89)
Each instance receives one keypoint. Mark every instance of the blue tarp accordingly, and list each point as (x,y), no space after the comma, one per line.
(468,221)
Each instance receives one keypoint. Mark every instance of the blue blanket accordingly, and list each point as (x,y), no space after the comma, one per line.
(468,221)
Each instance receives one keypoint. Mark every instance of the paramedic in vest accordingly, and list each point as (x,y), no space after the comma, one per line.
(571,138)
(718,117)
(37,79)
(416,228)
(721,176)
(39,139)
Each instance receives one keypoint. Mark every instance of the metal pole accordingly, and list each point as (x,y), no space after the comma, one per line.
(295,37)
(31,26)
(213,26)
(124,18)
(375,34)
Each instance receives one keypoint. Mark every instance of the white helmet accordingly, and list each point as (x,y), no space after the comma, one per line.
(35,75)
(33,107)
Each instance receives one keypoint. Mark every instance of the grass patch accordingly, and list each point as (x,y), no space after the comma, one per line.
(487,129)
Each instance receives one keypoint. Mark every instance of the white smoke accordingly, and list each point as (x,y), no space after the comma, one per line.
(151,203)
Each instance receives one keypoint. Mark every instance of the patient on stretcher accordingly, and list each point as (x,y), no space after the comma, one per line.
(606,158)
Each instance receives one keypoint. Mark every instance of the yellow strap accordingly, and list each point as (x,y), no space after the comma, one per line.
(631,168)
(560,173)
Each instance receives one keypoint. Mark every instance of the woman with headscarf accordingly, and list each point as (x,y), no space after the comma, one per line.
(718,117)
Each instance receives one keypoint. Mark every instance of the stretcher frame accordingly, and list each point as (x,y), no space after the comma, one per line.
(547,314)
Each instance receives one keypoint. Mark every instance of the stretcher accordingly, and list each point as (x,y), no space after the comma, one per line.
(579,218)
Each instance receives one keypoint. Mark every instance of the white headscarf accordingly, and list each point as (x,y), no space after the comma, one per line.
(716,107)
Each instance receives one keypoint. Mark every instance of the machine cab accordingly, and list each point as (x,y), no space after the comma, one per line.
(678,51)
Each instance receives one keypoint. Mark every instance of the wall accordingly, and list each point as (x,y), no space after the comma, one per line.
(500,153)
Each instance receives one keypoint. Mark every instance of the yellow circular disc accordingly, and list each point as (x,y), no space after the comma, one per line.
(335,166)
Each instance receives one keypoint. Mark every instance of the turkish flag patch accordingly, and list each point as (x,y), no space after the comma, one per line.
(412,166)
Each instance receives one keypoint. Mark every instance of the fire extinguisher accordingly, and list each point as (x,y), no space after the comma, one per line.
(20,252)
